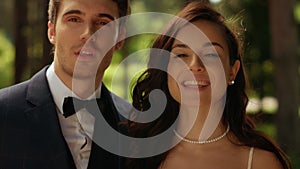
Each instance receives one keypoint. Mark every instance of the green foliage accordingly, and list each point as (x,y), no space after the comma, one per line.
(119,77)
(6,61)
(254,22)
(267,128)
(297,12)
(295,161)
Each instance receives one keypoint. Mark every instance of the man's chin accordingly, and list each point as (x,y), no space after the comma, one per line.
(84,76)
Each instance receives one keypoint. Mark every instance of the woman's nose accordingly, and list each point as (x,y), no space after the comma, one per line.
(196,64)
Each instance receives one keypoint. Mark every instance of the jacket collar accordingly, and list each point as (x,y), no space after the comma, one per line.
(38,92)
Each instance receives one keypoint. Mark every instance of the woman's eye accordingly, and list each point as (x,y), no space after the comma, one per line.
(211,55)
(181,55)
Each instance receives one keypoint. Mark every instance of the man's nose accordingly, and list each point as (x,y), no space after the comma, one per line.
(87,33)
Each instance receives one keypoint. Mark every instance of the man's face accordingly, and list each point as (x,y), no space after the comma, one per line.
(80,51)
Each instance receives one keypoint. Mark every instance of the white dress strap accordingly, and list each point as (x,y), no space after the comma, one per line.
(250,158)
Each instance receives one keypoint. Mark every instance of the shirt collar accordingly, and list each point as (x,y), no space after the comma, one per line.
(59,90)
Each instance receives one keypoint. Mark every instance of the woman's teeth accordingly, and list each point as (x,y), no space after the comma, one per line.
(195,83)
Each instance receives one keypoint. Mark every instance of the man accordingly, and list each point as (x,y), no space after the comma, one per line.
(36,129)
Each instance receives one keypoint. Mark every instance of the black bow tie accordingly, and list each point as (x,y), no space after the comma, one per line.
(71,105)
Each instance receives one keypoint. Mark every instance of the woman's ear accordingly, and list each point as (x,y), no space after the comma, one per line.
(234,70)
(51,32)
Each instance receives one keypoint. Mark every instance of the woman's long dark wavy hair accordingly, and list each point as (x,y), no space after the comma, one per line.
(234,113)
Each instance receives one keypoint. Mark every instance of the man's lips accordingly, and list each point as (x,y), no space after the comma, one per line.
(86,53)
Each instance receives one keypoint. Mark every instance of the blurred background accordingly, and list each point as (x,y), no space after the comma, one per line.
(269,29)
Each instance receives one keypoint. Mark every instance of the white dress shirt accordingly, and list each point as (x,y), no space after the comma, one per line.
(78,128)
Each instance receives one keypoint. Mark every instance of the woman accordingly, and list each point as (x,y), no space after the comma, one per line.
(190,83)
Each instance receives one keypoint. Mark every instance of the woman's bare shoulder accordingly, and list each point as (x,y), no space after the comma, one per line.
(263,159)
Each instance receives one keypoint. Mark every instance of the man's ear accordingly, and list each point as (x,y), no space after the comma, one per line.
(51,32)
(121,39)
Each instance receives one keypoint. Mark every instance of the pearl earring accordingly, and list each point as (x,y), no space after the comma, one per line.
(231,82)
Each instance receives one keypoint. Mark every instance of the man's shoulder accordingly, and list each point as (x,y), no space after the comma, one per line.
(14,91)
(17,93)
(13,99)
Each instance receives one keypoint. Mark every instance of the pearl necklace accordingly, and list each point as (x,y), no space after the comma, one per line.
(202,141)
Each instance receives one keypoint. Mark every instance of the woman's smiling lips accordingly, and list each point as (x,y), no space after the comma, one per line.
(196,84)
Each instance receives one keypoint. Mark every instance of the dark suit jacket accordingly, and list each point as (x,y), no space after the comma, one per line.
(30,133)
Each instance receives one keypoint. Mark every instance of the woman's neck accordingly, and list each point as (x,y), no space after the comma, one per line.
(193,124)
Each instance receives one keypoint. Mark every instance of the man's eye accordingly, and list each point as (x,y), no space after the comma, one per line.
(101,23)
(73,19)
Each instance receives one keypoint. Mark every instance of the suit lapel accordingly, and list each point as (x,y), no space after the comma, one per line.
(46,136)
(44,126)
(99,156)
(108,108)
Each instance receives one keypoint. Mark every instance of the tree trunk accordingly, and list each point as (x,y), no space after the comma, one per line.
(20,38)
(284,45)
(47,59)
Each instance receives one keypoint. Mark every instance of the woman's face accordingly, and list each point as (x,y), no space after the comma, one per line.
(188,78)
